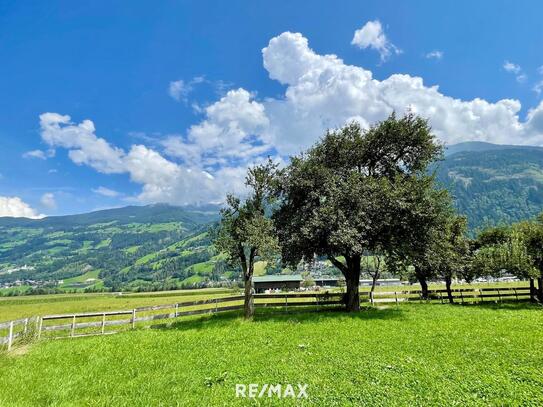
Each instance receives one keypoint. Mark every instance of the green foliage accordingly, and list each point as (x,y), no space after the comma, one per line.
(357,191)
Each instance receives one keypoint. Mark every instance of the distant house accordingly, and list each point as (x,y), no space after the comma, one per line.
(277,282)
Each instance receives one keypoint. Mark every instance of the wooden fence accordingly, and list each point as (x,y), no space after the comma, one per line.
(97,323)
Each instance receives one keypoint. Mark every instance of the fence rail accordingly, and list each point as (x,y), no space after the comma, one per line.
(96,323)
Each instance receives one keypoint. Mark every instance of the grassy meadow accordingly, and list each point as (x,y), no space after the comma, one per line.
(33,305)
(416,354)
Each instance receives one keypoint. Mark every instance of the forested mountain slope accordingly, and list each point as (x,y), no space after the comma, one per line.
(494,184)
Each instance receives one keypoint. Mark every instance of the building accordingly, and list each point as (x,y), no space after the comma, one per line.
(277,282)
(328,281)
(382,282)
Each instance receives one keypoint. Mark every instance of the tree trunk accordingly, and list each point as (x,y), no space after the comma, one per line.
(374,279)
(352,297)
(532,290)
(249,304)
(423,283)
(540,289)
(351,272)
(448,282)
(247,270)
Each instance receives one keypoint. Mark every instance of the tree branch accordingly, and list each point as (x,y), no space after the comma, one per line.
(342,267)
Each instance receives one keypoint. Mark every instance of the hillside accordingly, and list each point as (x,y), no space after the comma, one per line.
(494,184)
(161,246)
(121,248)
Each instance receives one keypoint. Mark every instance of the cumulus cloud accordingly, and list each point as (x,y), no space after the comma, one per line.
(436,54)
(48,200)
(321,92)
(371,35)
(162,180)
(324,92)
(227,132)
(106,192)
(15,207)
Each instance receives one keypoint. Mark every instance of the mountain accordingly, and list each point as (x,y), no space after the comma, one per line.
(149,247)
(493,184)
(135,245)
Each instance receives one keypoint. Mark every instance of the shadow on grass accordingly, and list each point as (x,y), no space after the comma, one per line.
(298,315)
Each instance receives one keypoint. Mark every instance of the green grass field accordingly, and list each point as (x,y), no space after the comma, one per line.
(33,305)
(417,354)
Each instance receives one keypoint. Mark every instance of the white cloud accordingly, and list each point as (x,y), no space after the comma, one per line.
(516,70)
(227,132)
(321,92)
(42,155)
(48,200)
(179,90)
(436,54)
(511,67)
(106,192)
(324,92)
(162,180)
(83,145)
(371,35)
(15,207)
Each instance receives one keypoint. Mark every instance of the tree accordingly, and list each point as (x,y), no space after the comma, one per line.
(514,249)
(451,251)
(245,232)
(356,191)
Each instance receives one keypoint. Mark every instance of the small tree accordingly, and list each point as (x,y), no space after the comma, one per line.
(245,232)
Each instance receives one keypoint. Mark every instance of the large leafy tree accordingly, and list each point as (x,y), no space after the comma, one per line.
(245,232)
(356,191)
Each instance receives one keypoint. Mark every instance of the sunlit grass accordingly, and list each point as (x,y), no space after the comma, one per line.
(416,354)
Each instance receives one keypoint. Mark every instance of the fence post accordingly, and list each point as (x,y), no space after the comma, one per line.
(499,295)
(73,326)
(176,310)
(481,299)
(10,337)
(134,318)
(532,290)
(103,323)
(25,328)
(40,325)
(462,296)
(286,303)
(441,296)
(216,306)
(516,294)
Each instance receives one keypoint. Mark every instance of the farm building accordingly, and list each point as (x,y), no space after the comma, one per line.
(277,282)
(383,281)
(327,281)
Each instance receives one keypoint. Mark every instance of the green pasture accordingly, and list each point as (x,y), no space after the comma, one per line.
(32,305)
(415,354)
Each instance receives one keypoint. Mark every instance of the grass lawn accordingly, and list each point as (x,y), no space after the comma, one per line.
(32,305)
(415,354)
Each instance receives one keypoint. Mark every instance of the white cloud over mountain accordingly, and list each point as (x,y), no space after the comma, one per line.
(238,129)
(15,207)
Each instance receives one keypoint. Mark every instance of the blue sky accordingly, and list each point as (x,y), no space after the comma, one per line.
(179,97)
